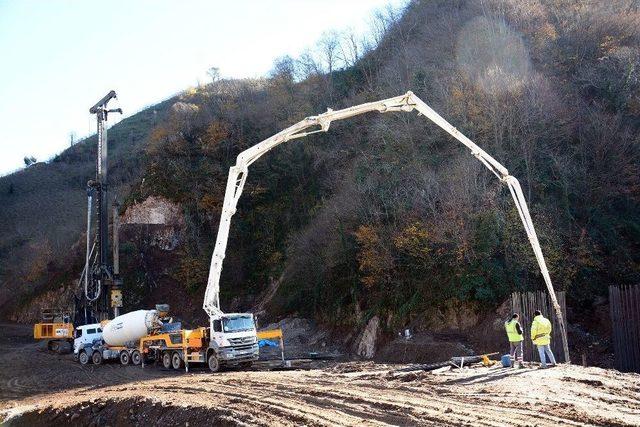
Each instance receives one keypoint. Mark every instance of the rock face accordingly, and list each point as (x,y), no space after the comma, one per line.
(455,316)
(163,221)
(184,108)
(366,344)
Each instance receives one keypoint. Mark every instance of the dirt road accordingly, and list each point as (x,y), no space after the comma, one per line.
(37,388)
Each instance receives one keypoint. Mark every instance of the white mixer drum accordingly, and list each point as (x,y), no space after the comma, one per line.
(129,328)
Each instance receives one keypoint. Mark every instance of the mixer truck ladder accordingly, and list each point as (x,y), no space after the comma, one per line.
(320,123)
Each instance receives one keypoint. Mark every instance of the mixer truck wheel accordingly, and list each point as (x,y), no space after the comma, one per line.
(135,357)
(176,361)
(166,360)
(96,357)
(83,357)
(124,357)
(214,364)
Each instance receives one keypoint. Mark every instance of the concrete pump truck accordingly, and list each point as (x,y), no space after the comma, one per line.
(404,103)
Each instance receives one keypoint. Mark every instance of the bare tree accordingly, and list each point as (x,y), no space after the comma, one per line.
(214,73)
(308,65)
(284,67)
(350,48)
(328,48)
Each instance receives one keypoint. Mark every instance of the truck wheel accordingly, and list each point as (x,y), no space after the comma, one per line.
(176,361)
(96,357)
(135,357)
(53,346)
(166,360)
(124,357)
(83,358)
(214,364)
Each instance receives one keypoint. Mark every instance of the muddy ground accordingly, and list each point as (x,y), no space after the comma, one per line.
(39,388)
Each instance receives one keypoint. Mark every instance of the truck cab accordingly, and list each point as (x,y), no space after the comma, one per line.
(84,338)
(233,341)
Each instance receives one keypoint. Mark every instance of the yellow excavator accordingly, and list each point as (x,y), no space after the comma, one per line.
(56,328)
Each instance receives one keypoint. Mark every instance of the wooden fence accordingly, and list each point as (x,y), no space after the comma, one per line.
(624,307)
(525,304)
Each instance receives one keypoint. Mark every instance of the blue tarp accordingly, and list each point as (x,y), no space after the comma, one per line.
(267,343)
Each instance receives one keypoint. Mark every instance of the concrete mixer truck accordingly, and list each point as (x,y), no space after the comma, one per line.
(144,336)
(116,339)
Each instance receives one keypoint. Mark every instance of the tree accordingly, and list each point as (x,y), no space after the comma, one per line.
(29,160)
(284,68)
(214,73)
(350,48)
(328,46)
(374,260)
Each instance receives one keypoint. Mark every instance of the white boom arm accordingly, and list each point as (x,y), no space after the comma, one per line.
(320,123)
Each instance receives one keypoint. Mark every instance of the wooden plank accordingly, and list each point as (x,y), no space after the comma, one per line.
(636,321)
(613,323)
(627,330)
(616,322)
(615,318)
(634,327)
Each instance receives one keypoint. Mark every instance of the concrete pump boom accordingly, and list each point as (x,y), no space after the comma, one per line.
(320,123)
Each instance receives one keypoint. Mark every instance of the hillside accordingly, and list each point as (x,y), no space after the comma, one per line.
(44,207)
(385,214)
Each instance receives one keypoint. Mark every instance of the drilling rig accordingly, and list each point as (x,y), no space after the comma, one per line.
(99,288)
(100,284)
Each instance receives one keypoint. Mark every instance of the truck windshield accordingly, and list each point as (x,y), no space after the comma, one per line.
(236,324)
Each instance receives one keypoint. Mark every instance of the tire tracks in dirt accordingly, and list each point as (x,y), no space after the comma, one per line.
(37,386)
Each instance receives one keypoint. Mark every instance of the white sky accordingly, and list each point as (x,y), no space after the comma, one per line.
(60,57)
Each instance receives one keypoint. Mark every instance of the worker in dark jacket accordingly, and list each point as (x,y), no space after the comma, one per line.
(516,337)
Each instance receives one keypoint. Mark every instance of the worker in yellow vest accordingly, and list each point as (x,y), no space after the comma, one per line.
(541,337)
(516,337)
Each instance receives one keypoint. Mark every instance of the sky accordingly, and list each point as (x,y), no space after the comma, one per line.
(59,57)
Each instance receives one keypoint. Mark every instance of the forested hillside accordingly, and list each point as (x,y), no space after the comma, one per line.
(387,214)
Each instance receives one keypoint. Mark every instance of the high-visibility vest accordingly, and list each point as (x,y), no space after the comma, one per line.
(541,328)
(512,332)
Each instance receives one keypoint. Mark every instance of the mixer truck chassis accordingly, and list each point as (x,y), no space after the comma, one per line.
(97,354)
